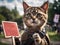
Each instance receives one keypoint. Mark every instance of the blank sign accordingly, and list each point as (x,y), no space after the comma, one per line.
(10,29)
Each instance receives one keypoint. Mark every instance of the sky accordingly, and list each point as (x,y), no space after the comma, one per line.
(10,4)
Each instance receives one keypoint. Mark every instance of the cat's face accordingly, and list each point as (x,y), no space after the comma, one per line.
(35,17)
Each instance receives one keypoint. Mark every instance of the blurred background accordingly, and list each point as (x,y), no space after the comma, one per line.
(12,10)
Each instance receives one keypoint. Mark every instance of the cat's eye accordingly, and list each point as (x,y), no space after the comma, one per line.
(38,15)
(28,15)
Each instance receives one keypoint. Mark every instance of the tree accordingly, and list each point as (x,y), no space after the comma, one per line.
(15,13)
(53,9)
(6,13)
(9,15)
(56,6)
(2,18)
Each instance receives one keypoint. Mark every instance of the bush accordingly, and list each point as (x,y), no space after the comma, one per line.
(2,18)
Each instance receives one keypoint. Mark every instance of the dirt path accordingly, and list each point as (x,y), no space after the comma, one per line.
(7,41)
(55,42)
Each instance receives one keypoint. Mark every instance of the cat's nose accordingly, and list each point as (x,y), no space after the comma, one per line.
(34,17)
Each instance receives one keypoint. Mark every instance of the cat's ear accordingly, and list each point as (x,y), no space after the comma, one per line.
(45,6)
(25,6)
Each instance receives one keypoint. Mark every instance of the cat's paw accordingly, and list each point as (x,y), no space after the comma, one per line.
(37,37)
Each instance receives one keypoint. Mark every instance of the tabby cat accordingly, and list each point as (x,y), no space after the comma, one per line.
(35,18)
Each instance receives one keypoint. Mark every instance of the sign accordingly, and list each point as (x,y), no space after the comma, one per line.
(10,29)
(56,18)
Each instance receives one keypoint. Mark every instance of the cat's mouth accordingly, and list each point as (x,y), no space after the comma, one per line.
(34,22)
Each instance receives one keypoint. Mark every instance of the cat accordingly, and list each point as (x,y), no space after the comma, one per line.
(35,18)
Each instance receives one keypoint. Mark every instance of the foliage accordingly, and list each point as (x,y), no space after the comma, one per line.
(15,13)
(9,15)
(19,20)
(2,18)
(1,36)
(54,8)
(6,13)
(3,43)
(54,36)
(50,14)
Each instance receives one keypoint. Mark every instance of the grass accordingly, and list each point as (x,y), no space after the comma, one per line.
(3,43)
(54,36)
(1,36)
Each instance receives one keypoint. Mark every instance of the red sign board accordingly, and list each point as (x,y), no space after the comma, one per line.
(10,29)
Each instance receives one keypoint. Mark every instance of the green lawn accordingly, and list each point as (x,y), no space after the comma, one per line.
(1,36)
(3,44)
(54,36)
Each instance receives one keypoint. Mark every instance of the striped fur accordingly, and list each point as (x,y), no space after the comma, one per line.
(35,18)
